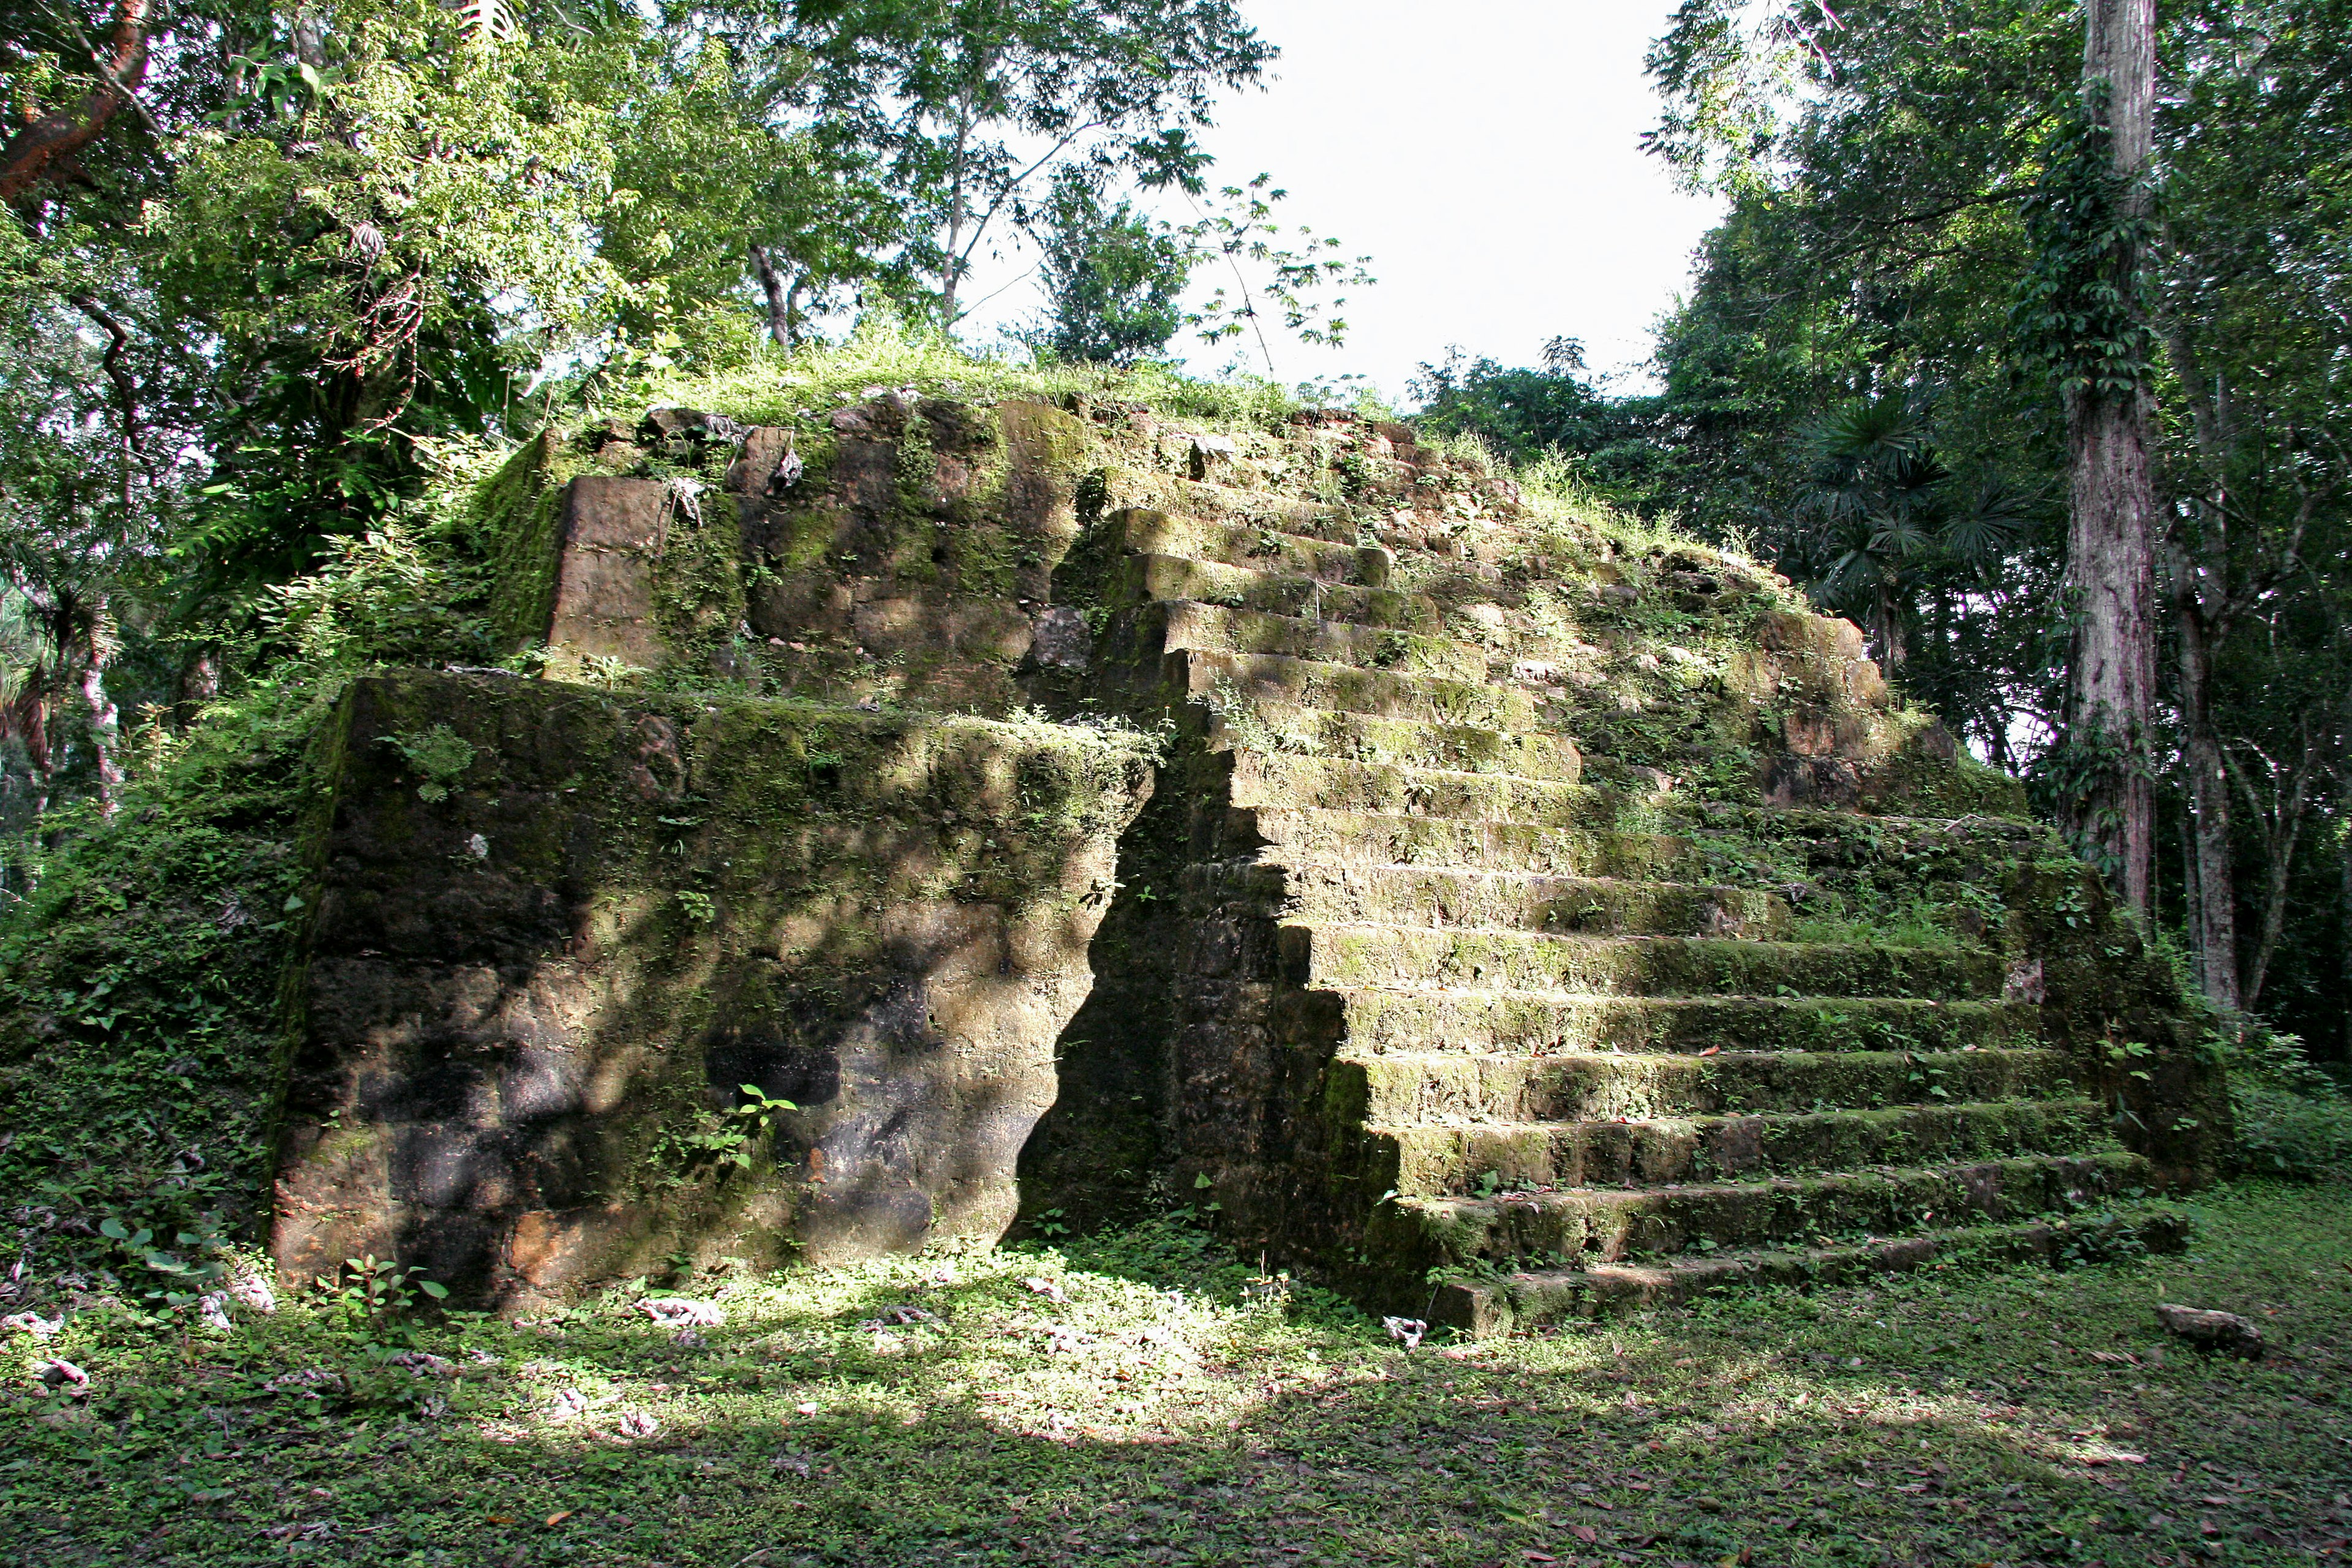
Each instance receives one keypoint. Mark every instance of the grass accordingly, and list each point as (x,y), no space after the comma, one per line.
(1170,1408)
(888,355)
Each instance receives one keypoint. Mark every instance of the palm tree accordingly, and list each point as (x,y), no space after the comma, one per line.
(1882,512)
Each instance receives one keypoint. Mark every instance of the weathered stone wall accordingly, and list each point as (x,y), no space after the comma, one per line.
(555,930)
(899,550)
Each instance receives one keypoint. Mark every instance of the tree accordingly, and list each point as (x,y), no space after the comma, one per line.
(1886,515)
(1551,408)
(1918,210)
(970,105)
(1113,279)
(2092,217)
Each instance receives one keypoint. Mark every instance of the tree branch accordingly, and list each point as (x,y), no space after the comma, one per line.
(28,156)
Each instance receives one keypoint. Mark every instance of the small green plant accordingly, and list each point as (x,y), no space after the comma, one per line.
(199,1266)
(725,1140)
(610,672)
(440,754)
(371,1291)
(699,906)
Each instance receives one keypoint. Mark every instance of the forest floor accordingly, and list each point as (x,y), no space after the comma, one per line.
(1142,1399)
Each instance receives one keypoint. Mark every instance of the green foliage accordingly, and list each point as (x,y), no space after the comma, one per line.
(721,1141)
(440,754)
(138,1025)
(2082,310)
(2299,1136)
(1239,225)
(1113,278)
(368,1292)
(1613,443)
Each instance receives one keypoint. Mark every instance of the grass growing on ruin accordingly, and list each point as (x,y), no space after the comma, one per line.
(1144,1399)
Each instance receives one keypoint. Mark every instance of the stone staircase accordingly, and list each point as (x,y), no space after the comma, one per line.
(1494,1011)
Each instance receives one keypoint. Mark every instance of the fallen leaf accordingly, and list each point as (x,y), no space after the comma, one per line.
(1539,1557)
(2116,1459)
(555,1519)
(1585,1534)
(502,1519)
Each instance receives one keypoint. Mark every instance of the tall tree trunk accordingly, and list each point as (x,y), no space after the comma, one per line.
(954,264)
(2111,667)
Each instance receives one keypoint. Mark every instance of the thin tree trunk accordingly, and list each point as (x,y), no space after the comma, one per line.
(2204,609)
(199,684)
(2215,911)
(779,305)
(2280,828)
(955,263)
(105,723)
(2344,878)
(2112,667)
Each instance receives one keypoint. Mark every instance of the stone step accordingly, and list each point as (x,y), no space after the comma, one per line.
(1236,505)
(1140,530)
(1612,1226)
(1530,1300)
(1392,839)
(1283,730)
(1625,833)
(1145,579)
(1328,891)
(1214,628)
(1277,678)
(1333,955)
(1280,778)
(1585,1086)
(1365,1022)
(1430,1160)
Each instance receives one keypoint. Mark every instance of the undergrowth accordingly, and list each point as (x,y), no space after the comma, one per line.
(1146,1397)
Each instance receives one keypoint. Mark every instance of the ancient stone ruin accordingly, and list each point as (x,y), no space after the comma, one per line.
(1072,809)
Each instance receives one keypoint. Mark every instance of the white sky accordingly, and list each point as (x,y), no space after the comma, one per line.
(1486,155)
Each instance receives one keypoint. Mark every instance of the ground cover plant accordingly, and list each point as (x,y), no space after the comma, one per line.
(1144,1397)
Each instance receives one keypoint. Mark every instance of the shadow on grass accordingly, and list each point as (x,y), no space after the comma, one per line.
(951,1409)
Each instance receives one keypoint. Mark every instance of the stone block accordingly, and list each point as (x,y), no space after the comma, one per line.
(515,1064)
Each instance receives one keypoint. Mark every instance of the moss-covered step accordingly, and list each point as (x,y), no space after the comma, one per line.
(1322,891)
(1608,1226)
(1262,778)
(1378,839)
(1249,507)
(1331,955)
(1553,1023)
(1283,730)
(1222,679)
(1590,1085)
(1215,628)
(1141,530)
(1432,1159)
(1135,580)
(1498,1304)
